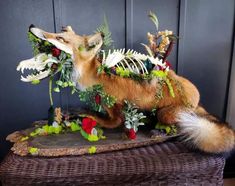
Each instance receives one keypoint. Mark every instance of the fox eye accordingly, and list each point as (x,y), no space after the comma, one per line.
(61,39)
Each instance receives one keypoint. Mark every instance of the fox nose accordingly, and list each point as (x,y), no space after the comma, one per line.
(31,26)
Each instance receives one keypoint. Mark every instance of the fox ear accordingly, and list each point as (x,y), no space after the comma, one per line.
(68,29)
(95,41)
(95,38)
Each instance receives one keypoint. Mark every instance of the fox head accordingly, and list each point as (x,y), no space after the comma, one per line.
(80,47)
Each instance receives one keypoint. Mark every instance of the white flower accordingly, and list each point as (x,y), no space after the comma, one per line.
(94,132)
(55,124)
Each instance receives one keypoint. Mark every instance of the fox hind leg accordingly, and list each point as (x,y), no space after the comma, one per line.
(168,115)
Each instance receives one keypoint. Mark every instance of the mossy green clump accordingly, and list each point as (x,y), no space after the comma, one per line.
(33,151)
(168,129)
(92,150)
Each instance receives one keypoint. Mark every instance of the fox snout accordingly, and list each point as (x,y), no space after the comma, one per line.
(31,26)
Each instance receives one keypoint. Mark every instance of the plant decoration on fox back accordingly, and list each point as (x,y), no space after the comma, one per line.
(121,88)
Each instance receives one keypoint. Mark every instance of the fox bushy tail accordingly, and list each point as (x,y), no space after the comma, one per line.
(206,132)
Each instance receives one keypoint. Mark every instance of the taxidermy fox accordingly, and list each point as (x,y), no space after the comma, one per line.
(204,130)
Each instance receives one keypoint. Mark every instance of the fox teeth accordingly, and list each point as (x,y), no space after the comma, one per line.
(38,76)
(36,63)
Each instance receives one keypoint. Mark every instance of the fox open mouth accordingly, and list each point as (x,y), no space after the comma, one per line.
(47,58)
(40,64)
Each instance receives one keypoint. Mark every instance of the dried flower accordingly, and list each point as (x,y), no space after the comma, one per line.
(58,115)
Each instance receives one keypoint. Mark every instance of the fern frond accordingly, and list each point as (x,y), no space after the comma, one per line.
(104,29)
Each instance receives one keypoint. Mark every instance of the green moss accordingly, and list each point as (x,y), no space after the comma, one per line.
(24,138)
(122,72)
(92,150)
(75,127)
(168,129)
(171,90)
(33,151)
(92,138)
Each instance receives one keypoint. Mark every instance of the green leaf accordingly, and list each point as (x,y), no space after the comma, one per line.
(122,72)
(65,84)
(51,130)
(154,19)
(168,130)
(24,138)
(81,48)
(35,81)
(84,134)
(104,29)
(46,128)
(159,73)
(58,129)
(59,82)
(71,84)
(75,127)
(33,134)
(92,138)
(56,89)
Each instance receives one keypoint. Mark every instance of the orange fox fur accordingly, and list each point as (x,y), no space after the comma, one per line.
(205,131)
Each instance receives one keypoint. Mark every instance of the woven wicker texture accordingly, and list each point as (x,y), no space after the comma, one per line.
(161,164)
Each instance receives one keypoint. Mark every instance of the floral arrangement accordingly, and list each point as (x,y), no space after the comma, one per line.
(87,127)
(51,61)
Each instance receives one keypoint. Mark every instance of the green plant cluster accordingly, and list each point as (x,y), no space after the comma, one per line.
(39,45)
(64,66)
(168,129)
(66,126)
(47,130)
(133,117)
(126,73)
(33,150)
(89,97)
(65,77)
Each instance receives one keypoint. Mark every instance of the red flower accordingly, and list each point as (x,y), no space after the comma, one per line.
(132,134)
(88,124)
(97,99)
(168,64)
(55,52)
(160,67)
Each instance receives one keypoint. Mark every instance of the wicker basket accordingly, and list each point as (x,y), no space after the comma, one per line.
(161,164)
